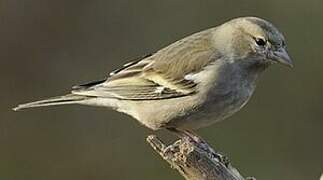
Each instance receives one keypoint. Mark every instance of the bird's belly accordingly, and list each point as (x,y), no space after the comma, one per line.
(218,107)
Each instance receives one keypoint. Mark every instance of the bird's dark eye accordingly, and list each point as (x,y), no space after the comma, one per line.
(260,42)
(283,43)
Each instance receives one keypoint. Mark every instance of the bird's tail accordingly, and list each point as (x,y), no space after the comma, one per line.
(60,100)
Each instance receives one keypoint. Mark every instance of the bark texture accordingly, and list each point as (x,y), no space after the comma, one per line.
(196,160)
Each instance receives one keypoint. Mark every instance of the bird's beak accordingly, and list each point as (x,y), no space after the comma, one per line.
(281,56)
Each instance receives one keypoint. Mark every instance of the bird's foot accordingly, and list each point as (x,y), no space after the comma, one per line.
(188,135)
(193,137)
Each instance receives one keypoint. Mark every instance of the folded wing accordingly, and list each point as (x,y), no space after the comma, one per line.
(156,76)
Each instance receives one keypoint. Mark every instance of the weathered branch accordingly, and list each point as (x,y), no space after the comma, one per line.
(195,161)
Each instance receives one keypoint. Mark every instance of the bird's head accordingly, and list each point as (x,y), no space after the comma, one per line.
(251,40)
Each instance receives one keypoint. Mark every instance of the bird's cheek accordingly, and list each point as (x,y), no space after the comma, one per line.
(269,55)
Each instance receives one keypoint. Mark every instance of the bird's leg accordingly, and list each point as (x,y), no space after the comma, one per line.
(203,144)
(184,134)
(198,139)
(193,137)
(187,134)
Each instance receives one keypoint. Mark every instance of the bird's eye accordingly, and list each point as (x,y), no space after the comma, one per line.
(283,44)
(260,41)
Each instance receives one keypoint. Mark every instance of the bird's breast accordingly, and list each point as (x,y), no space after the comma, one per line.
(225,98)
(223,102)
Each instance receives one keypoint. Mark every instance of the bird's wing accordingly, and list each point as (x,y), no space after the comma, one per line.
(157,76)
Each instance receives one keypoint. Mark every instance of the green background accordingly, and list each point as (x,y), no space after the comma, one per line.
(46,46)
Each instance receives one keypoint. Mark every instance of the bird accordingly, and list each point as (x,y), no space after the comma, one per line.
(192,83)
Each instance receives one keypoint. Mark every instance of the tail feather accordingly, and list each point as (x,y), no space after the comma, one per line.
(60,100)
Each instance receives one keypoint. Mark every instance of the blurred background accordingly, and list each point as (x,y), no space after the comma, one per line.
(47,46)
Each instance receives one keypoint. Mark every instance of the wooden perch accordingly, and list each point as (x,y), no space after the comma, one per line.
(195,161)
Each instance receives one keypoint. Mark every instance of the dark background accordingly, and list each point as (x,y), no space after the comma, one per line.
(46,46)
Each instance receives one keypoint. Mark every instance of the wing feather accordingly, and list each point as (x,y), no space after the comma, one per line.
(160,75)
